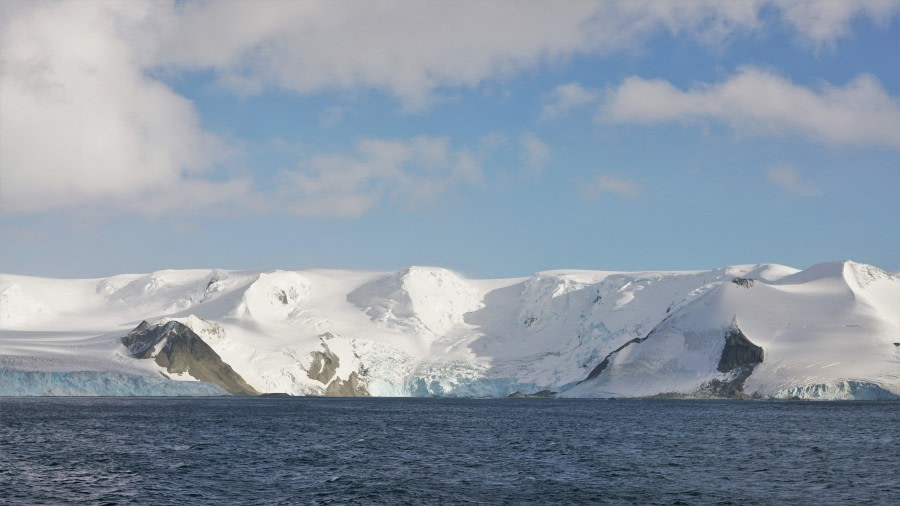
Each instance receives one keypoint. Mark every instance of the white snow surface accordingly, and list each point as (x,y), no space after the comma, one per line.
(827,332)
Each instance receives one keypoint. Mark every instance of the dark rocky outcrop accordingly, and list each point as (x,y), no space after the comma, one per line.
(324,369)
(351,387)
(140,342)
(739,357)
(746,283)
(543,394)
(324,366)
(738,351)
(183,351)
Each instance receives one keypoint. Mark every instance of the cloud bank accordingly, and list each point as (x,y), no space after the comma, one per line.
(758,102)
(410,48)
(86,122)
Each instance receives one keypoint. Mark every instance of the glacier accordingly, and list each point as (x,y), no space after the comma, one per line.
(98,383)
(830,331)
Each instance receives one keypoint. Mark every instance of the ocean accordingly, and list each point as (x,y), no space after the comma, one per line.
(446,451)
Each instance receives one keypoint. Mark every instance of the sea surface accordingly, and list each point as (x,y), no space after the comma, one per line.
(446,451)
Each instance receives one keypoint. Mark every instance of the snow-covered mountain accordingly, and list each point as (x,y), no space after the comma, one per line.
(830,331)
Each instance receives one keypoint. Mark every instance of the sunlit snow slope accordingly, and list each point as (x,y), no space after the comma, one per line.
(830,331)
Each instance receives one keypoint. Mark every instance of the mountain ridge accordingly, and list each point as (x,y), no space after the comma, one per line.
(824,331)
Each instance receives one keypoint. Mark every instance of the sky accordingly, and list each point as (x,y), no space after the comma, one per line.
(496,139)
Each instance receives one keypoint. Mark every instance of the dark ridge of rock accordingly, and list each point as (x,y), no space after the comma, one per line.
(543,394)
(745,282)
(324,369)
(140,341)
(275,394)
(603,365)
(739,352)
(184,351)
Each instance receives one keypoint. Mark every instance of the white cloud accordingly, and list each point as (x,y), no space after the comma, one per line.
(609,183)
(410,48)
(535,153)
(407,172)
(788,178)
(823,22)
(81,123)
(758,102)
(84,121)
(566,97)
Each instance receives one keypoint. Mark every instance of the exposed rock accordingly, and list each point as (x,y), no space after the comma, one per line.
(349,388)
(746,283)
(139,341)
(739,352)
(541,394)
(729,388)
(739,357)
(324,368)
(183,351)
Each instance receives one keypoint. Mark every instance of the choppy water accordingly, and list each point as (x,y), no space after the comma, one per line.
(421,451)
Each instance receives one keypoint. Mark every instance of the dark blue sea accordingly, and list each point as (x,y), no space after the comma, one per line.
(446,451)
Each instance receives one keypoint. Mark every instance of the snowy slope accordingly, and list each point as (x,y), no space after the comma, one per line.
(827,331)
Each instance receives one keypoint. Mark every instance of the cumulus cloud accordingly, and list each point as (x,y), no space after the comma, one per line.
(81,123)
(758,102)
(407,172)
(609,183)
(535,153)
(566,97)
(788,178)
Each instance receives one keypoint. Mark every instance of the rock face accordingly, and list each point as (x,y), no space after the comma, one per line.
(324,368)
(739,357)
(178,349)
(739,352)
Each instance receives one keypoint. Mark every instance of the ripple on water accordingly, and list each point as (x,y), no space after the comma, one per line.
(421,451)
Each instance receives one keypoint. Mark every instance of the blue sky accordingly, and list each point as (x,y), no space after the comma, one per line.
(496,139)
